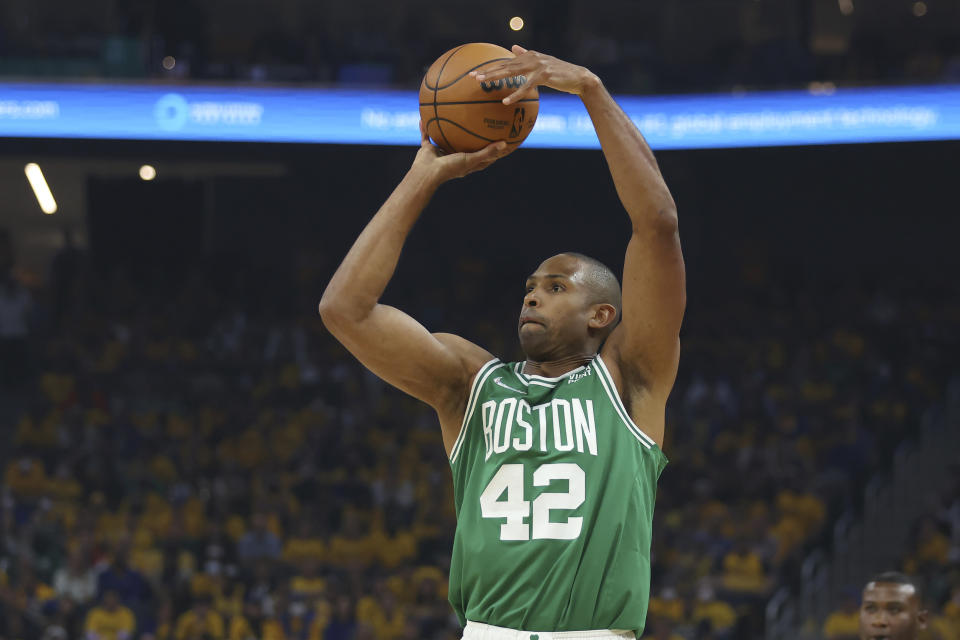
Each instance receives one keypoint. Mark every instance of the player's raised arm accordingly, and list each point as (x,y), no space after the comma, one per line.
(646,344)
(435,368)
(645,347)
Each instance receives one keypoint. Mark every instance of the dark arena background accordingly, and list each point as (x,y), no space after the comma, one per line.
(187,453)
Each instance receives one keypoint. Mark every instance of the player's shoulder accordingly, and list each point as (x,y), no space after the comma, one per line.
(631,372)
(472,359)
(471,355)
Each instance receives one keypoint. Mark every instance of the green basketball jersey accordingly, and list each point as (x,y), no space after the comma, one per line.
(554,488)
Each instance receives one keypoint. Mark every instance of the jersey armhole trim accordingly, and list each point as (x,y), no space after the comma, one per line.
(478,381)
(607,381)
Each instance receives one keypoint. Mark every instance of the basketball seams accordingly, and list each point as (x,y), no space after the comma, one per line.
(467,72)
(460,77)
(436,89)
(440,72)
(461,127)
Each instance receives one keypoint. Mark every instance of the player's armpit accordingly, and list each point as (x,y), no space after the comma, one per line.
(436,369)
(646,342)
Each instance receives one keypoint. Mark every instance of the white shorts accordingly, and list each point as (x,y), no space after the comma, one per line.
(480,631)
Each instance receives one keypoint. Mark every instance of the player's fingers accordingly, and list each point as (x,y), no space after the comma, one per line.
(503,70)
(486,155)
(491,73)
(491,152)
(482,165)
(519,94)
(508,68)
(425,141)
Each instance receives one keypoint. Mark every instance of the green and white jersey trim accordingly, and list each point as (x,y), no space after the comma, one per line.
(542,381)
(607,381)
(478,381)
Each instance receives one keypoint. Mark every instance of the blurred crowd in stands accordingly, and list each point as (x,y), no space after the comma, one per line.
(935,554)
(187,462)
(932,558)
(635,47)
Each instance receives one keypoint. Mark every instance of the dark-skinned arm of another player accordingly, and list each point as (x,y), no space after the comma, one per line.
(647,343)
(435,368)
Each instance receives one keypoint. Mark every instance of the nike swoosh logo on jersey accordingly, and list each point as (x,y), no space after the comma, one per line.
(499,380)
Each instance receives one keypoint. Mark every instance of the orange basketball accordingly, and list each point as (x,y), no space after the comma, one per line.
(462,114)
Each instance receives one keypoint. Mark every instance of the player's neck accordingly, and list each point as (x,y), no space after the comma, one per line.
(556,368)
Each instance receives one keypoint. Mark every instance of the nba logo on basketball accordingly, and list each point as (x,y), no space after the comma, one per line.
(517,127)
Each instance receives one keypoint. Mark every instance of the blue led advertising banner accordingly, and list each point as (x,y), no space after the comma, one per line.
(347,116)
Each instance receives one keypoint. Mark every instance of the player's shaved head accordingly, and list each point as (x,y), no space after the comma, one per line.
(600,279)
(575,300)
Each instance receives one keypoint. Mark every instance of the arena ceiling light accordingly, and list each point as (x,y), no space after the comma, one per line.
(40,188)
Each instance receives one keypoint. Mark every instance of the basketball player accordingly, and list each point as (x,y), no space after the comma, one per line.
(555,459)
(891,609)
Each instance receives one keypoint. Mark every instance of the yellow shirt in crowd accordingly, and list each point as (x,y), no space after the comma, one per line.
(842,625)
(192,625)
(109,625)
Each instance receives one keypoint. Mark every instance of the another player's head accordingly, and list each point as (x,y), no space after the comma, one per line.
(572,303)
(891,609)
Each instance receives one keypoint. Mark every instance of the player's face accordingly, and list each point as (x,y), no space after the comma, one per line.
(555,313)
(890,611)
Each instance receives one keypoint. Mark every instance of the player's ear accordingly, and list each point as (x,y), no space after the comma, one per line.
(603,316)
(922,618)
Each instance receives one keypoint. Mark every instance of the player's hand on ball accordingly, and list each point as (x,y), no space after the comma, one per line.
(443,166)
(540,70)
